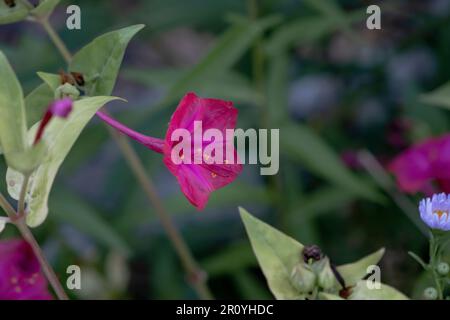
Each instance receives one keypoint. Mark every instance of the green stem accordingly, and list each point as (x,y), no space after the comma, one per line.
(434,260)
(196,277)
(59,44)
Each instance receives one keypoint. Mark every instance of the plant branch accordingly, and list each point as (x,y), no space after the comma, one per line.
(59,44)
(196,277)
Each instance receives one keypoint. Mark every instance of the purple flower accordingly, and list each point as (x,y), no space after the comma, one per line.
(435,211)
(20,273)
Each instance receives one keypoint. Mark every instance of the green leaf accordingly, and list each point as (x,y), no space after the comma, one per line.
(52,80)
(10,15)
(12,112)
(99,62)
(302,144)
(353,272)
(60,136)
(225,53)
(68,208)
(45,8)
(364,291)
(439,97)
(277,255)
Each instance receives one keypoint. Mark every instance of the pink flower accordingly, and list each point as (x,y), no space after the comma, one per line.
(20,274)
(197,180)
(423,163)
(59,108)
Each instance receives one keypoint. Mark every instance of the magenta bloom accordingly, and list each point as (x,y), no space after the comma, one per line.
(20,273)
(197,179)
(423,163)
(59,108)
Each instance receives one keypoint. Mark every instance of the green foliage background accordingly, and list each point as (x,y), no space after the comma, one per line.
(251,53)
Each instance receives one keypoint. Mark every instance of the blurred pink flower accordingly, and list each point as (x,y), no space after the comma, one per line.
(20,273)
(417,167)
(59,108)
(197,181)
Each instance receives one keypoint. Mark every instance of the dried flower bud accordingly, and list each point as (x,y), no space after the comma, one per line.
(312,252)
(303,279)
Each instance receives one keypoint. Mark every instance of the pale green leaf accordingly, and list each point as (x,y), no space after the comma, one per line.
(364,290)
(12,112)
(99,62)
(277,255)
(45,8)
(60,135)
(52,80)
(302,144)
(353,272)
(10,15)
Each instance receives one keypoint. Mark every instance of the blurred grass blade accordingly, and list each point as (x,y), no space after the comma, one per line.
(228,86)
(219,264)
(68,208)
(324,200)
(305,31)
(226,52)
(303,145)
(379,174)
(331,10)
(277,88)
(439,97)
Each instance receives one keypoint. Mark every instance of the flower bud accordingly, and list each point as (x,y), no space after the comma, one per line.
(430,293)
(312,252)
(326,278)
(443,268)
(67,91)
(302,278)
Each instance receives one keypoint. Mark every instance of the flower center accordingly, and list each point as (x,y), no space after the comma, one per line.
(440,213)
